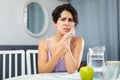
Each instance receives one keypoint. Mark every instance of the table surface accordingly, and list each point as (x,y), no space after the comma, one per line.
(49,76)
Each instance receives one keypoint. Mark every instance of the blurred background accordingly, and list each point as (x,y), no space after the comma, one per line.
(99,23)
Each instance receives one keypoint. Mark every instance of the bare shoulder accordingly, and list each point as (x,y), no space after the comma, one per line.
(79,40)
(42,41)
(42,44)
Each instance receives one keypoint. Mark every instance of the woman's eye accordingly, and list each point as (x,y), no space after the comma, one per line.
(71,20)
(63,19)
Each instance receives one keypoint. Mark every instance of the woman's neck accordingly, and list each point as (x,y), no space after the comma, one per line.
(58,37)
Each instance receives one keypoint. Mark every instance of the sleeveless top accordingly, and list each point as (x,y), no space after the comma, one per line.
(60,66)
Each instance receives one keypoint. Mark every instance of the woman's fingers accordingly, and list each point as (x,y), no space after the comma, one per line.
(68,36)
(72,29)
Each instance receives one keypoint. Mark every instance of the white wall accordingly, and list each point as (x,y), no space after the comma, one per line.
(12,30)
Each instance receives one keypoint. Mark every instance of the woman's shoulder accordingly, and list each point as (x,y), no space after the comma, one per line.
(44,41)
(79,39)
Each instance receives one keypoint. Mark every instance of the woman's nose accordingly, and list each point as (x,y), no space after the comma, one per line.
(67,22)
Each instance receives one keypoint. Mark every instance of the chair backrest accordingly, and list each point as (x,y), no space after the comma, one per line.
(31,57)
(9,58)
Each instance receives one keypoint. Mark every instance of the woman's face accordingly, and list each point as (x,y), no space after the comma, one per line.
(64,23)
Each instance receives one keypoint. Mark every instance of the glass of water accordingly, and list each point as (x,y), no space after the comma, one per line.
(112,70)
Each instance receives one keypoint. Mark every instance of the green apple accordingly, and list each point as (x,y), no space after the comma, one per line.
(86,73)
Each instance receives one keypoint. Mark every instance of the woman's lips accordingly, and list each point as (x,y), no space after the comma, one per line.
(66,29)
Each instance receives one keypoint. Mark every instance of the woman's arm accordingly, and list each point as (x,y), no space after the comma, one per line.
(73,56)
(45,65)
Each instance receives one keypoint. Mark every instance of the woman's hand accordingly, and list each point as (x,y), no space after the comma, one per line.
(64,44)
(68,36)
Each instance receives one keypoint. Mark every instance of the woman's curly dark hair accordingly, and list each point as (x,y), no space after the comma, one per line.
(59,9)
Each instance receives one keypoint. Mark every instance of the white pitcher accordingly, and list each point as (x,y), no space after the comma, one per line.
(95,59)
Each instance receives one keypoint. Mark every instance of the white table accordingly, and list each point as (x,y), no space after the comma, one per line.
(49,76)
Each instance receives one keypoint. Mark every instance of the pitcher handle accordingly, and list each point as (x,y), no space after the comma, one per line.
(88,54)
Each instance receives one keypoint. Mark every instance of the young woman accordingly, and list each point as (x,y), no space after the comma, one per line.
(63,51)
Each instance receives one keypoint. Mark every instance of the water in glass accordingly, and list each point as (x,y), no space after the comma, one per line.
(95,58)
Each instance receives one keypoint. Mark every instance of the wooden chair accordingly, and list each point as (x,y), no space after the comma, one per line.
(31,59)
(9,60)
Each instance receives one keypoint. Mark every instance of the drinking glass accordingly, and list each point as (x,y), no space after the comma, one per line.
(112,70)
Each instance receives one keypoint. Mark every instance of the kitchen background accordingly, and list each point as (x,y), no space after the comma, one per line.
(99,23)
